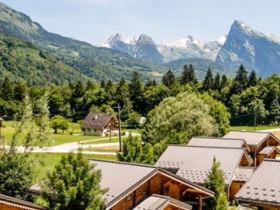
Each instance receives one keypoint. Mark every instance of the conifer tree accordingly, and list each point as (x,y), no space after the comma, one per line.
(240,81)
(188,75)
(136,92)
(253,80)
(168,79)
(224,81)
(74,184)
(208,81)
(215,182)
(217,84)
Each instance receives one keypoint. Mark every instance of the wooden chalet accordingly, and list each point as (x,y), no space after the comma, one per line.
(262,191)
(10,203)
(133,185)
(193,163)
(262,144)
(100,124)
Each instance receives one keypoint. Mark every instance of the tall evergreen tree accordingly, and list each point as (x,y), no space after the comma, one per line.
(224,81)
(136,92)
(216,183)
(208,81)
(240,82)
(253,80)
(168,79)
(188,75)
(217,82)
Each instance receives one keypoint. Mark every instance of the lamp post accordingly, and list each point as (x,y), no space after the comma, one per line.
(1,139)
(120,127)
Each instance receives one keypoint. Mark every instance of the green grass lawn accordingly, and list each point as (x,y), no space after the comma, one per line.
(45,162)
(252,128)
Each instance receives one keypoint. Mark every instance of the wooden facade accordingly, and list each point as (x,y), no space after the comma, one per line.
(162,184)
(10,203)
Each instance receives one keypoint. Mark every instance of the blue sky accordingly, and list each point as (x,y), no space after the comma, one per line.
(164,20)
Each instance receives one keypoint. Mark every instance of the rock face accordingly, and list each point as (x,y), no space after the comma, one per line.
(253,49)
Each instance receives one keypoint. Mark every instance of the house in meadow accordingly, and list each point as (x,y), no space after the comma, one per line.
(262,144)
(100,124)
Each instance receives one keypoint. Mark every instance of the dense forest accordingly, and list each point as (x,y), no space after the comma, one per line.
(248,99)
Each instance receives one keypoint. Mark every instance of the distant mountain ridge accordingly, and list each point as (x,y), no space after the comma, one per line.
(242,45)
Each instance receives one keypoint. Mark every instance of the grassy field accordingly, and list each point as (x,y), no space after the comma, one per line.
(55,139)
(45,162)
(103,149)
(252,128)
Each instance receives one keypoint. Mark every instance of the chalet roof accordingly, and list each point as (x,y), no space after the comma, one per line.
(216,142)
(263,186)
(96,121)
(160,202)
(268,150)
(194,163)
(252,138)
(121,178)
(243,174)
(18,203)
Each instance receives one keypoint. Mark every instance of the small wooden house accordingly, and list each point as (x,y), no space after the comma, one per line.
(262,191)
(100,124)
(262,144)
(194,163)
(10,203)
(135,185)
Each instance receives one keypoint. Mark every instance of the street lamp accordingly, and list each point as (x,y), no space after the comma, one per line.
(1,124)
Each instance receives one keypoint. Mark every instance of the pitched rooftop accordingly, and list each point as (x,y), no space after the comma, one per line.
(194,163)
(96,121)
(216,142)
(159,202)
(252,138)
(263,186)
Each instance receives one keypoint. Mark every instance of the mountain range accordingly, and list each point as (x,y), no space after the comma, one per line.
(242,45)
(29,49)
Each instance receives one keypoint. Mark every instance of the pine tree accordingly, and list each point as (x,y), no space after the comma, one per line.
(253,80)
(240,82)
(208,81)
(224,81)
(215,182)
(74,184)
(217,84)
(136,92)
(188,75)
(168,79)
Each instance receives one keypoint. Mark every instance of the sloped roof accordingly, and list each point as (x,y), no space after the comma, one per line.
(96,120)
(160,202)
(268,150)
(263,186)
(120,178)
(216,142)
(252,138)
(18,203)
(194,163)
(243,174)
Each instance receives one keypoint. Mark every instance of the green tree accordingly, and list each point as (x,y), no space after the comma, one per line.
(208,82)
(59,122)
(136,92)
(215,182)
(132,150)
(217,82)
(240,82)
(188,75)
(16,174)
(274,113)
(133,120)
(74,184)
(178,118)
(224,81)
(168,79)
(253,80)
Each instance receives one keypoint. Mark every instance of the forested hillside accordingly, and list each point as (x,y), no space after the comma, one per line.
(20,60)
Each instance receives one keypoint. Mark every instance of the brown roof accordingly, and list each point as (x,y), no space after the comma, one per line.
(268,150)
(18,203)
(194,163)
(252,138)
(121,178)
(96,121)
(263,186)
(160,202)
